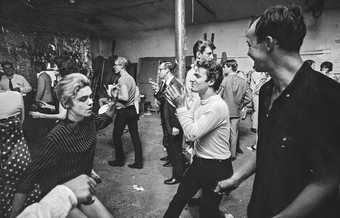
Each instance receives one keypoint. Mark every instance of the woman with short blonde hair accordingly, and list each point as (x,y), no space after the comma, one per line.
(68,150)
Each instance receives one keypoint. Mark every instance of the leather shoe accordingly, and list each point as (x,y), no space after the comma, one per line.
(116,163)
(171,181)
(136,165)
(164,158)
(167,164)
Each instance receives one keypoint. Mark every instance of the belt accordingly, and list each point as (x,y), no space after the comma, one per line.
(211,160)
(128,107)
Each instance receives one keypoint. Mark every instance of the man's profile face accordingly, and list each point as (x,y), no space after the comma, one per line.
(8,69)
(256,50)
(117,67)
(199,81)
(162,71)
(206,55)
(325,70)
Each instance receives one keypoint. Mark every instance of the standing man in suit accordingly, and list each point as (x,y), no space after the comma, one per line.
(159,89)
(174,132)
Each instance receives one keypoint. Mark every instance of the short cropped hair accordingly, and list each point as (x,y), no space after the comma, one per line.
(285,24)
(310,62)
(200,46)
(327,65)
(214,72)
(122,61)
(170,65)
(230,63)
(69,86)
(10,64)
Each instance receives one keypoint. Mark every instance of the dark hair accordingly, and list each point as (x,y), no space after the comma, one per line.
(310,62)
(327,65)
(285,24)
(200,46)
(230,63)
(170,65)
(214,72)
(7,63)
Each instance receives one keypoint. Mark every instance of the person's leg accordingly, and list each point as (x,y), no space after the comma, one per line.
(186,189)
(237,124)
(211,173)
(233,137)
(178,160)
(95,210)
(119,125)
(133,128)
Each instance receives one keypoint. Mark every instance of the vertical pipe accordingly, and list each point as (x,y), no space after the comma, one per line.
(180,37)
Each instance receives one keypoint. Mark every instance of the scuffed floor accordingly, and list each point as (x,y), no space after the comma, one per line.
(141,193)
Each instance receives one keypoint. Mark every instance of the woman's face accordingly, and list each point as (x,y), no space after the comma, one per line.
(82,103)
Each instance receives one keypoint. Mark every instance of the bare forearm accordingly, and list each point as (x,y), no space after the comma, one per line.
(18,204)
(246,170)
(312,196)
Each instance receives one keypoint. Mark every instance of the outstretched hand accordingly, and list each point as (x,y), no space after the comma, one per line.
(226,186)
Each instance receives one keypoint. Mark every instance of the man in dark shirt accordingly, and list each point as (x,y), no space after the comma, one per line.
(297,160)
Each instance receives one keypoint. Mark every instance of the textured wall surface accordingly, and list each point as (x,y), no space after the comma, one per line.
(321,43)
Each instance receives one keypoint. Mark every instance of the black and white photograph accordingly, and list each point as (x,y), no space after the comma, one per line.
(169,108)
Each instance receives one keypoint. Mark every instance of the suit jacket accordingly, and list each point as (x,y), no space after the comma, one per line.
(169,110)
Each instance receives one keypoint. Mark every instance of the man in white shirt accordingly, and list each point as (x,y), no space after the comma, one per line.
(208,125)
(12,81)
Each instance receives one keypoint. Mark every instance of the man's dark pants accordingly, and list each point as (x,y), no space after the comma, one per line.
(204,174)
(127,116)
(174,149)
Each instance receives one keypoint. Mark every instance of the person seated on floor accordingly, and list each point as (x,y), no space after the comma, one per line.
(69,148)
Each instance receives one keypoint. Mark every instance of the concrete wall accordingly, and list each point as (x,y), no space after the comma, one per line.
(321,43)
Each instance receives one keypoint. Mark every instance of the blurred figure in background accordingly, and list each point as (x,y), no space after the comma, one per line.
(233,91)
(311,63)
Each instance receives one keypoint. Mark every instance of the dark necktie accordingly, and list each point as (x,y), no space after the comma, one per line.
(10,85)
(163,87)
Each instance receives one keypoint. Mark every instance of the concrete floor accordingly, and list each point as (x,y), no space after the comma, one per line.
(117,190)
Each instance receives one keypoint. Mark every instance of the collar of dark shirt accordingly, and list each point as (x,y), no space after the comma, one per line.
(289,90)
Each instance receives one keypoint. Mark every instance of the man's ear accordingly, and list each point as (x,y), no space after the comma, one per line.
(270,43)
(198,55)
(211,82)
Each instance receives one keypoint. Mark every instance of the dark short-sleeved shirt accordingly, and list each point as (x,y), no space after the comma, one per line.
(297,136)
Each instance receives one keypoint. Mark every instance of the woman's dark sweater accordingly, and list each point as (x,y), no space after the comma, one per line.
(68,152)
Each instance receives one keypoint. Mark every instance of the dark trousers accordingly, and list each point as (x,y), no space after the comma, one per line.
(204,174)
(127,116)
(176,159)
